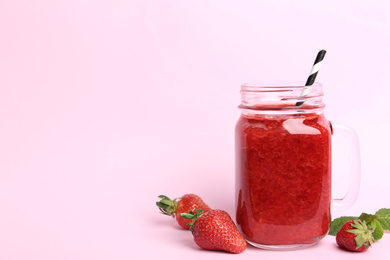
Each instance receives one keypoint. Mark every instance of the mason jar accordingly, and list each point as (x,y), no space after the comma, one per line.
(283,166)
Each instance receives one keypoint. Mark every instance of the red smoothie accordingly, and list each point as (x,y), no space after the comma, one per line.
(283,178)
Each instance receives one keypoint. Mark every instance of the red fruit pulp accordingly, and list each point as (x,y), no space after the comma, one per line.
(283,175)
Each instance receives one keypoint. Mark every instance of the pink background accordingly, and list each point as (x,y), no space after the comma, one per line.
(104,105)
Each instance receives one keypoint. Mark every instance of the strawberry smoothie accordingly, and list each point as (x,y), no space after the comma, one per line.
(283,176)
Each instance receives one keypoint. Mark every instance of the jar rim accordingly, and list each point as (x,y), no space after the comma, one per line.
(277,86)
(277,96)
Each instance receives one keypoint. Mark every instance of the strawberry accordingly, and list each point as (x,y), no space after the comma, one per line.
(215,230)
(354,235)
(188,202)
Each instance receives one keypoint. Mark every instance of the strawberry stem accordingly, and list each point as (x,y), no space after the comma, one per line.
(363,234)
(167,206)
(192,215)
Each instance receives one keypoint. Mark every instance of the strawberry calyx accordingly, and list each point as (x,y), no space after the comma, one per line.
(363,234)
(192,215)
(167,206)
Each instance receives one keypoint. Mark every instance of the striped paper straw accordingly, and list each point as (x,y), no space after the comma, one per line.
(313,75)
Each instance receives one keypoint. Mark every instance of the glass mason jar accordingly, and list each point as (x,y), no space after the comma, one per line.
(283,166)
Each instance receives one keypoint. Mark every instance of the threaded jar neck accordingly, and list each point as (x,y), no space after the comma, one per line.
(281,98)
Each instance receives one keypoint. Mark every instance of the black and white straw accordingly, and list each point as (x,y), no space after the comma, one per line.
(313,75)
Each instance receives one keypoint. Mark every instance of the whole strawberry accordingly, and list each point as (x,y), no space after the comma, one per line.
(215,230)
(188,202)
(355,236)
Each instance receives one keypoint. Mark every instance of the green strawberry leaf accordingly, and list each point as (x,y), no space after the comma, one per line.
(383,217)
(378,230)
(192,215)
(368,218)
(337,223)
(374,224)
(189,215)
(164,197)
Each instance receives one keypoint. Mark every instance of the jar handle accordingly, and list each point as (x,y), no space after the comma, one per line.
(354,165)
